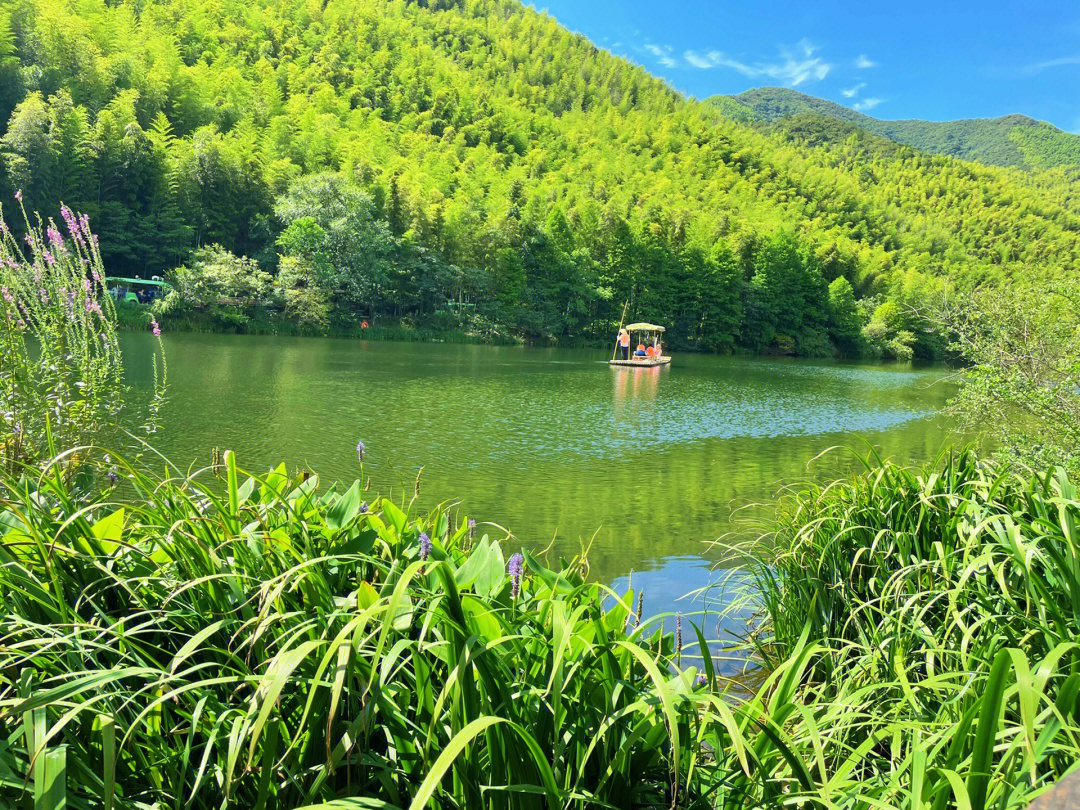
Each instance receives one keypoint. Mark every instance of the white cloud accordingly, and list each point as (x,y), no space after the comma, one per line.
(864,62)
(851,92)
(866,104)
(793,69)
(1053,63)
(662,54)
(695,59)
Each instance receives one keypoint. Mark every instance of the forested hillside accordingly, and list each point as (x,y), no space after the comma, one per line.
(1012,140)
(474,164)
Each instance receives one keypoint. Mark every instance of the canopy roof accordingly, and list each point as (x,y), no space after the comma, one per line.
(644,327)
(151,282)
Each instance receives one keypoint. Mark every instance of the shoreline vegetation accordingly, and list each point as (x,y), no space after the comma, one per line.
(447,163)
(132,318)
(224,640)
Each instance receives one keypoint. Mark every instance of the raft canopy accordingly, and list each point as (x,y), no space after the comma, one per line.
(644,327)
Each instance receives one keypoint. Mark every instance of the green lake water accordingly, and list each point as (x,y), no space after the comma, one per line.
(646,467)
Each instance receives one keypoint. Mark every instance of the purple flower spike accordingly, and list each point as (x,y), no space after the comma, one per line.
(701,680)
(364,508)
(425,545)
(360,451)
(515,568)
(113,477)
(155,328)
(472,528)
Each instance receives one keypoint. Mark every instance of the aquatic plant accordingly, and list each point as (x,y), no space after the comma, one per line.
(515,568)
(265,644)
(254,642)
(60,375)
(932,619)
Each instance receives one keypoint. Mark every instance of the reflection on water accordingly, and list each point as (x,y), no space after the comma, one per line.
(720,602)
(644,464)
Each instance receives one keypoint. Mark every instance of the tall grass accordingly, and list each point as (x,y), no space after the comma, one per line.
(252,643)
(937,614)
(219,640)
(61,373)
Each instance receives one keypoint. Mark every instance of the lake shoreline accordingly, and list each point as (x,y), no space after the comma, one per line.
(132,319)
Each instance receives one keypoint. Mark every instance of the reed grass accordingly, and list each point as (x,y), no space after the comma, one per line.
(936,615)
(219,640)
(254,642)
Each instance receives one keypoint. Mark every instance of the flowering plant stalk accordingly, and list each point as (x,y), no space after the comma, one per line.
(61,373)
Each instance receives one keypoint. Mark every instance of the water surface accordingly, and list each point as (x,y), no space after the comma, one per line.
(644,467)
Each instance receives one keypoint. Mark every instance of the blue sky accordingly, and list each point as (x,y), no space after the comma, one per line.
(915,59)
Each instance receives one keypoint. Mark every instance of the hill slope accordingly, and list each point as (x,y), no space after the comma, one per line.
(481,154)
(1012,140)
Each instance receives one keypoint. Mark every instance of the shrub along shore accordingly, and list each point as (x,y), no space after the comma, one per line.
(231,641)
(135,317)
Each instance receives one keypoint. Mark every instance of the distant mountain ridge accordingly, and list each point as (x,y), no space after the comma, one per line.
(1012,140)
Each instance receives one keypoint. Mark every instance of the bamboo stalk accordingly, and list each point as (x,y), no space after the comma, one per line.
(622,320)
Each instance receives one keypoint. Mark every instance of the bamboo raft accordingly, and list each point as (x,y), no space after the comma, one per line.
(645,332)
(641,362)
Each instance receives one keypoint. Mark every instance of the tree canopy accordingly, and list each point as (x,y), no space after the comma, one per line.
(442,161)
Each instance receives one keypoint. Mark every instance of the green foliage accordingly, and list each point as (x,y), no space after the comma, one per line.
(61,376)
(255,642)
(930,621)
(213,275)
(1021,350)
(1012,140)
(792,294)
(845,320)
(332,228)
(888,333)
(426,139)
(509,281)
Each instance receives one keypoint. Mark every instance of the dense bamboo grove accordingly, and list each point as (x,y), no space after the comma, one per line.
(503,176)
(225,641)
